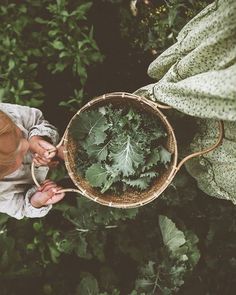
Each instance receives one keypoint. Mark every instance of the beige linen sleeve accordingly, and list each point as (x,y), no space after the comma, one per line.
(18,205)
(32,120)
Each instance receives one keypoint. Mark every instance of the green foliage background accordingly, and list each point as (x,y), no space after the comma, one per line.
(64,53)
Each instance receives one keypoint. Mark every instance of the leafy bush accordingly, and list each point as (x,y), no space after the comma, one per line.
(38,34)
(154,25)
(156,247)
(180,255)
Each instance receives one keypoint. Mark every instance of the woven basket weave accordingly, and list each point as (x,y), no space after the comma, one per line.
(129,199)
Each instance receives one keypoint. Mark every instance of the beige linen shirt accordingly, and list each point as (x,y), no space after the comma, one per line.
(17,187)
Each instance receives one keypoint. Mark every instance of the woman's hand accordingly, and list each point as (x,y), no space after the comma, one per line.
(40,148)
(46,194)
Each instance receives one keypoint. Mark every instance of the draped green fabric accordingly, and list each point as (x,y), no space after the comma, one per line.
(197,76)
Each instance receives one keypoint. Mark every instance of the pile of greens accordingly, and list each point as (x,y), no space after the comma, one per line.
(119,149)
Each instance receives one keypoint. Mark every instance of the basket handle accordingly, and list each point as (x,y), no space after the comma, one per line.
(200,153)
(50,151)
(64,190)
(207,150)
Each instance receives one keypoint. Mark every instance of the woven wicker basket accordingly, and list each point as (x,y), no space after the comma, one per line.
(130,199)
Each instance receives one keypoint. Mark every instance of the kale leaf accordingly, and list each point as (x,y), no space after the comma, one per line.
(91,124)
(126,155)
(119,149)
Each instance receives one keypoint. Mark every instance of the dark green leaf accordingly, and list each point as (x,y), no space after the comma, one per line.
(92,124)
(88,286)
(58,45)
(96,175)
(173,238)
(164,155)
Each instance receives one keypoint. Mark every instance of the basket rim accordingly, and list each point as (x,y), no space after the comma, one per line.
(143,100)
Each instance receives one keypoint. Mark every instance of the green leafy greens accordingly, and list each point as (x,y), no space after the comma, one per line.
(119,149)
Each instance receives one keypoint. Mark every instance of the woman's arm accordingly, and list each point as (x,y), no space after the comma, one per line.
(207,95)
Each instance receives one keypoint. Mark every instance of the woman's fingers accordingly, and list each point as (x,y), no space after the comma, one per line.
(36,162)
(56,197)
(47,147)
(45,196)
(43,149)
(46,180)
(42,152)
(50,186)
(50,155)
(45,184)
(40,161)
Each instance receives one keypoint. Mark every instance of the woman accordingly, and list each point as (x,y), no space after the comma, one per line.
(197,76)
